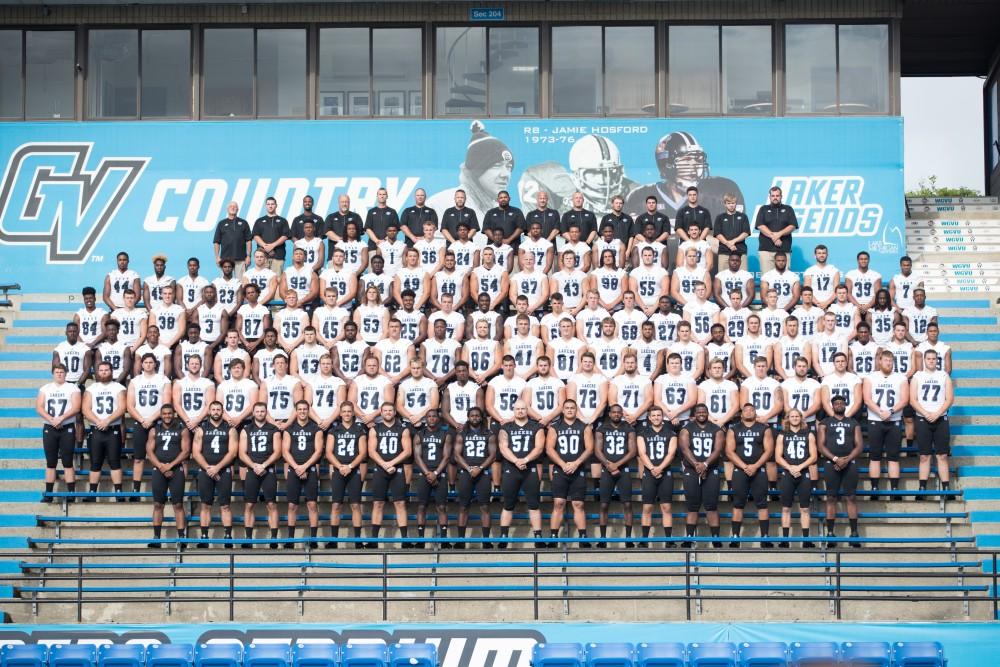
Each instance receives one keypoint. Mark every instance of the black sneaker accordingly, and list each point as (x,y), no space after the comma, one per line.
(46,499)
(716,545)
(643,545)
(246,546)
(288,545)
(766,545)
(734,545)
(686,545)
(330,545)
(541,545)
(630,545)
(121,499)
(446,545)
(134,499)
(856,545)
(585,545)
(460,546)
(154,545)
(831,545)
(273,546)
(784,545)
(502,545)
(202,545)
(602,545)
(808,545)
(487,545)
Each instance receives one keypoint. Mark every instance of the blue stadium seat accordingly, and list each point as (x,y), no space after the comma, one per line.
(415,655)
(218,655)
(865,654)
(23,655)
(610,654)
(661,654)
(364,655)
(712,654)
(72,655)
(557,655)
(918,654)
(315,655)
(814,654)
(763,654)
(121,655)
(267,655)
(169,655)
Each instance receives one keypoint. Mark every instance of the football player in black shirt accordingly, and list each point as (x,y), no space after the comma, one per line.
(389,445)
(657,446)
(701,445)
(569,444)
(431,452)
(521,443)
(260,449)
(749,445)
(167,447)
(214,449)
(795,453)
(346,451)
(840,443)
(614,448)
(302,449)
(475,450)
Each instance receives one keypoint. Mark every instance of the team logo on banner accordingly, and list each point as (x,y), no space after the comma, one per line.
(52,195)
(828,206)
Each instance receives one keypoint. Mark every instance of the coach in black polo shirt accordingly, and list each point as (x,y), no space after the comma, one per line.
(413,217)
(693,213)
(379,218)
(651,216)
(580,216)
(232,239)
(732,229)
(505,217)
(456,214)
(335,222)
(271,232)
(776,222)
(547,218)
(307,214)
(620,221)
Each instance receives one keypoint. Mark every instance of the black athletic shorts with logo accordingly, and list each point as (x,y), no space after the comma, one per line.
(620,484)
(59,445)
(481,487)
(840,483)
(699,493)
(933,437)
(386,486)
(105,446)
(514,481)
(795,487)
(657,490)
(569,487)
(209,489)
(265,485)
(745,487)
(349,486)
(885,440)
(295,487)
(174,485)
(426,492)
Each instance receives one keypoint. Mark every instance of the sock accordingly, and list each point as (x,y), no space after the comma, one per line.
(628,531)
(403,531)
(48,487)
(946,485)
(118,488)
(765,527)
(737,528)
(691,530)
(357,531)
(421,531)
(537,534)
(581,533)
(485,530)
(204,533)
(923,485)
(894,484)
(136,486)
(442,531)
(668,531)
(313,531)
(505,531)
(713,531)
(785,531)
(375,530)
(553,533)
(645,531)
(157,531)
(805,532)
(93,487)
(854,526)
(874,483)
(604,531)
(249,533)
(181,533)
(829,525)
(461,531)
(274,533)
(227,532)
(291,532)
(334,531)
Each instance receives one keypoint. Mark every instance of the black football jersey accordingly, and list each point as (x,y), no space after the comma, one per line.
(167,441)
(795,446)
(214,441)
(521,439)
(260,441)
(475,444)
(303,440)
(749,441)
(840,435)
(389,440)
(656,442)
(432,446)
(615,444)
(569,439)
(702,439)
(346,441)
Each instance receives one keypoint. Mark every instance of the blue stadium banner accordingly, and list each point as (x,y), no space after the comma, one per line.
(509,645)
(74,194)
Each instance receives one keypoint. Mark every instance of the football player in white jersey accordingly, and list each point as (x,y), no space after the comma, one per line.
(91,318)
(588,320)
(763,392)
(417,395)
(189,287)
(752,345)
(118,280)
(378,278)
(886,393)
(692,354)
(862,283)
(325,393)
(544,394)
(58,405)
(632,391)
(252,319)
(461,395)
(291,322)
(569,281)
(606,241)
(329,319)
(349,353)
(822,278)
(411,276)
(701,313)
(263,359)
(861,352)
(394,353)
(903,284)
(826,345)
(170,317)
(783,281)
(75,355)
(482,354)
(609,349)
(312,245)
(566,350)
(844,384)
(589,389)
(537,246)
(341,278)
(548,326)
(789,348)
(228,288)
(510,322)
(191,346)
(155,285)
(903,355)
(413,322)
(685,276)
(304,362)
(919,316)
(431,247)
(147,393)
(772,318)
(262,277)
(237,395)
(610,280)
(372,317)
(531,283)
(153,346)
(735,319)
(192,393)
(133,321)
(649,281)
(369,391)
(719,348)
(629,319)
(675,392)
(453,320)
(103,406)
(931,396)
(502,391)
(801,392)
(115,352)
(524,347)
(808,315)
(650,351)
(449,283)
(489,278)
(882,317)
(440,353)
(706,258)
(298,277)
(933,342)
(720,395)
(845,312)
(734,279)
(212,317)
(280,393)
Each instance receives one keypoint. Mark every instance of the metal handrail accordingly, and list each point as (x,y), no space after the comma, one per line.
(71,576)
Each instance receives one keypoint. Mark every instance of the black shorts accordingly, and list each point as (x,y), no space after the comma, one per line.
(481,487)
(174,485)
(295,488)
(514,482)
(59,445)
(426,492)
(745,487)
(386,486)
(909,412)
(792,488)
(349,486)
(105,446)
(620,484)
(209,489)
(657,490)
(139,437)
(569,487)
(885,440)
(265,485)
(933,438)
(700,492)
(840,483)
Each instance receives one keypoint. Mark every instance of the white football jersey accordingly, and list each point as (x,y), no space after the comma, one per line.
(57,398)
(105,399)
(72,357)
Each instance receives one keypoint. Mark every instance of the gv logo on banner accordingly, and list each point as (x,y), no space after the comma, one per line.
(49,197)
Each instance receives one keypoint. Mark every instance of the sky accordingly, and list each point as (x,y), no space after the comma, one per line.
(943,131)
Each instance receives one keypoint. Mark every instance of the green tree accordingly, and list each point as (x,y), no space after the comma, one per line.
(929,188)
